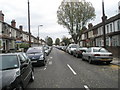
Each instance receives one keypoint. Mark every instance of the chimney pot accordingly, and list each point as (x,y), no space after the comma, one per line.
(90,25)
(1,16)
(21,27)
(13,23)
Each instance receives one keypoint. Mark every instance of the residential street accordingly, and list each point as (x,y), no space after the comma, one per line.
(65,71)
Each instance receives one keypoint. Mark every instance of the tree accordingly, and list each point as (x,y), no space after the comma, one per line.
(66,41)
(57,41)
(49,41)
(74,16)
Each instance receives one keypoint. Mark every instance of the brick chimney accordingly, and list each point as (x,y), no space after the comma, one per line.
(1,16)
(90,25)
(13,23)
(21,27)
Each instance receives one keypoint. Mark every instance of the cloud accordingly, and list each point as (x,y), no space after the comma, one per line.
(43,12)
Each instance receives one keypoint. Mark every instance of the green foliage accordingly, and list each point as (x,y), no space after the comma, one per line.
(24,45)
(74,16)
(57,41)
(65,41)
(49,41)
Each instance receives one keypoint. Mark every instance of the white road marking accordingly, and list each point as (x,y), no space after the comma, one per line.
(50,62)
(71,69)
(86,87)
(51,57)
(48,59)
(44,68)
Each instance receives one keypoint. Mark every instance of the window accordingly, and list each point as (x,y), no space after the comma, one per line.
(107,29)
(118,25)
(89,50)
(8,62)
(22,58)
(110,27)
(116,40)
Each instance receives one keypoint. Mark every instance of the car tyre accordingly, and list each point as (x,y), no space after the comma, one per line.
(76,55)
(32,77)
(83,59)
(108,63)
(90,61)
(19,87)
(44,62)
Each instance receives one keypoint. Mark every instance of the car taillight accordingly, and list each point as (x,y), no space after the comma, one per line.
(96,54)
(110,55)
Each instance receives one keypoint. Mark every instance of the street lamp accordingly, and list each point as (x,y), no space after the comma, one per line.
(38,33)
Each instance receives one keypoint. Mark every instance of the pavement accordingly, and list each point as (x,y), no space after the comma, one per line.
(116,61)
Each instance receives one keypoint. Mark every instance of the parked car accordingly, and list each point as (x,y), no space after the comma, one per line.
(71,48)
(37,55)
(78,51)
(97,54)
(47,50)
(15,71)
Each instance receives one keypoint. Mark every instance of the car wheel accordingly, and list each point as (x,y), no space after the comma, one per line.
(44,62)
(32,77)
(107,62)
(90,61)
(76,55)
(83,59)
(19,87)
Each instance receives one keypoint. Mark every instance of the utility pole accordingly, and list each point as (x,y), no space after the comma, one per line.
(103,22)
(29,24)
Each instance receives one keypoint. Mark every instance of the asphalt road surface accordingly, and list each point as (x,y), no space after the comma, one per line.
(66,71)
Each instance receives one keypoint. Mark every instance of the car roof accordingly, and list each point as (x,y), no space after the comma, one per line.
(96,47)
(11,53)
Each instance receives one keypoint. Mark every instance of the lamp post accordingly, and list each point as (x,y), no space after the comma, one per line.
(38,33)
(103,22)
(29,24)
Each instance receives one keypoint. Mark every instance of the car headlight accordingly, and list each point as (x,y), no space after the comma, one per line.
(41,57)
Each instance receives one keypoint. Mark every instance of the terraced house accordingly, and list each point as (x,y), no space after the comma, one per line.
(93,36)
(14,38)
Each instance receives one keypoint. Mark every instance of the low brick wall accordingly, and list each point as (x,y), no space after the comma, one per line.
(115,51)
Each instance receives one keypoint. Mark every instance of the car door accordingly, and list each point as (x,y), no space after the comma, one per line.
(24,68)
(29,67)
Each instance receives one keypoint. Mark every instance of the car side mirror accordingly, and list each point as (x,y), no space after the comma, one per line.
(23,65)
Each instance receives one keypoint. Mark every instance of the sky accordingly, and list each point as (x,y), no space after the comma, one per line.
(44,12)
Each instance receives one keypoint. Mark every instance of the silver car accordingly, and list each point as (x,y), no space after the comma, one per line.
(97,54)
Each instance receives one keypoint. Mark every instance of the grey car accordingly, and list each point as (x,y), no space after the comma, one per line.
(97,54)
(15,71)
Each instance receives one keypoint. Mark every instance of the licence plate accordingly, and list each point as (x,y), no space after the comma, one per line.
(104,59)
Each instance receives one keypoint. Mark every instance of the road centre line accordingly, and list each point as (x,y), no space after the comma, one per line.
(71,69)
(86,87)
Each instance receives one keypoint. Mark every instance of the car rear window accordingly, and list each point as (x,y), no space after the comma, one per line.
(100,50)
(34,50)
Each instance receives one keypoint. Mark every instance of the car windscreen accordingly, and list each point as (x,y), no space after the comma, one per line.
(100,50)
(74,46)
(8,62)
(34,50)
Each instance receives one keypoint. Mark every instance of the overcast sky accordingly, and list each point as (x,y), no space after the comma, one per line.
(43,12)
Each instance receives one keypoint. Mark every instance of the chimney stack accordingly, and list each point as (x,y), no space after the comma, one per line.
(13,23)
(21,27)
(1,16)
(90,25)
